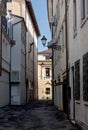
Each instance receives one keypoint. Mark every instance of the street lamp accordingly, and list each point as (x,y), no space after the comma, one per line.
(51,44)
(44,39)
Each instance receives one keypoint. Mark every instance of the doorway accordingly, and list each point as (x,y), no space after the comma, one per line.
(65,97)
(73,86)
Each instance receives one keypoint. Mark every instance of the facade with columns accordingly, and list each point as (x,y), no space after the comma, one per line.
(44,75)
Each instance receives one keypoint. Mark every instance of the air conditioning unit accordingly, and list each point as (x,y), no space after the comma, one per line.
(15,76)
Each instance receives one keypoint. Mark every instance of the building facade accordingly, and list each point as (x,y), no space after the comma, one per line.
(17,60)
(44,75)
(71,18)
(56,16)
(78,40)
(5,64)
(24,9)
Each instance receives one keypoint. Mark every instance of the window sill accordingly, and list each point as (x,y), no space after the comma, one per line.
(77,102)
(86,103)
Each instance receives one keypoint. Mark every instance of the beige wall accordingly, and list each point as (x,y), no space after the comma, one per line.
(15,6)
(43,81)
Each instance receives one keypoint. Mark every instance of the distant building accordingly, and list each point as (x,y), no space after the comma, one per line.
(44,75)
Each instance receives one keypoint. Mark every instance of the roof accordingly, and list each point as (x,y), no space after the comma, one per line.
(48,51)
(30,8)
(20,21)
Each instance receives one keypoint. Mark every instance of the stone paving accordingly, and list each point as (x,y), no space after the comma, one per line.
(37,115)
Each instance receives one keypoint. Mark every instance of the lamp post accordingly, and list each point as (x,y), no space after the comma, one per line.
(53,45)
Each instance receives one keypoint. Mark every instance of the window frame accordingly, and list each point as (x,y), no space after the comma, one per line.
(77,80)
(83,8)
(47,70)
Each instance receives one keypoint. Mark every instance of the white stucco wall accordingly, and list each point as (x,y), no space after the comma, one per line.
(4,78)
(18,88)
(78,46)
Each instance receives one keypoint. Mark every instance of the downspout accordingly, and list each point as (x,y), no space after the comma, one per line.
(25,67)
(67,71)
(52,61)
(33,66)
(0,47)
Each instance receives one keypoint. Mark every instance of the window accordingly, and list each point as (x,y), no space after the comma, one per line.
(77,80)
(86,6)
(74,16)
(82,9)
(58,10)
(61,2)
(47,57)
(47,72)
(62,37)
(85,77)
(47,90)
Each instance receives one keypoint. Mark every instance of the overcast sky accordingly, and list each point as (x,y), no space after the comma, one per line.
(40,9)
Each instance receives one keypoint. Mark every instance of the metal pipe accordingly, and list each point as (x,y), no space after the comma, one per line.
(0,47)
(67,71)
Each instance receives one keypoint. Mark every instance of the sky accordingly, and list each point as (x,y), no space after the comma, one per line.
(40,10)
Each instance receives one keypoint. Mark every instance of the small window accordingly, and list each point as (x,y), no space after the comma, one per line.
(74,16)
(47,72)
(61,2)
(47,90)
(82,9)
(47,57)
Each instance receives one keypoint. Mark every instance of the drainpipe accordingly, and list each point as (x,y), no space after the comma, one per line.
(52,62)
(67,71)
(0,47)
(34,89)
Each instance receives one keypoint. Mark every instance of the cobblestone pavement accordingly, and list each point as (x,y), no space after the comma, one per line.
(37,115)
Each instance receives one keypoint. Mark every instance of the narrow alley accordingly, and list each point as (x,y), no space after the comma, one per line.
(37,115)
